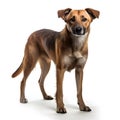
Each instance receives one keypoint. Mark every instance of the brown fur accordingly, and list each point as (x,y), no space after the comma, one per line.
(68,49)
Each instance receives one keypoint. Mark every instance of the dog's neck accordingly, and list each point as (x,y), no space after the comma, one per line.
(76,40)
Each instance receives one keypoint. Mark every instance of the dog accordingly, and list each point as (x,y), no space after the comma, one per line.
(68,49)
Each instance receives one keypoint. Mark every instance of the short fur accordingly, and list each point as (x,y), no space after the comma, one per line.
(68,49)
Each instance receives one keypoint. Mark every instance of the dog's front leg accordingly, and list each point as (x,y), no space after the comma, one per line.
(59,92)
(79,79)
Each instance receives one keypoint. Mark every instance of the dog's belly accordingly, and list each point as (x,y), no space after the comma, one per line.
(70,62)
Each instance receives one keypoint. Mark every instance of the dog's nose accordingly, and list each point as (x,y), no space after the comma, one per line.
(78,30)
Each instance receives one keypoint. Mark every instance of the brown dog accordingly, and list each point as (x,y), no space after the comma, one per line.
(68,49)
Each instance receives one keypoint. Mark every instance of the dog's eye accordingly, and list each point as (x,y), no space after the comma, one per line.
(72,19)
(83,19)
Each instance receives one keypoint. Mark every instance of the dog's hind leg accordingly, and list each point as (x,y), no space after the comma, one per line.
(28,65)
(45,66)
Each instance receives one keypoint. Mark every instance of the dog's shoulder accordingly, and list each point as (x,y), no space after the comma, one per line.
(47,38)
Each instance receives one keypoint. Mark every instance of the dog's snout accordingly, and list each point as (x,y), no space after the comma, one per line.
(79,30)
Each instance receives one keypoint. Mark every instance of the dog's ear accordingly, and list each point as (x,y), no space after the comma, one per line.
(93,13)
(64,13)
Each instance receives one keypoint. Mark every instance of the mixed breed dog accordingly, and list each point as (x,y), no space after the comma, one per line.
(68,49)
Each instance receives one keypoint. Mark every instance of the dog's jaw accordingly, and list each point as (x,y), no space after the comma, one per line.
(79,40)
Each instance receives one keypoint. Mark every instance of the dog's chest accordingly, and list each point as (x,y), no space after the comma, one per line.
(74,58)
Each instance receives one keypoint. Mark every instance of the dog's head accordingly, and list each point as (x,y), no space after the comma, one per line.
(78,21)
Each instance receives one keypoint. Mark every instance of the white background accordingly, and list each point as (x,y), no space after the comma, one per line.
(101,86)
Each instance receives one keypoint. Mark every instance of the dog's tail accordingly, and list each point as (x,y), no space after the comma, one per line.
(18,71)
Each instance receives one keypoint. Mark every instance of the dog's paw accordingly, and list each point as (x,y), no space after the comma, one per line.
(85,108)
(61,110)
(48,97)
(23,100)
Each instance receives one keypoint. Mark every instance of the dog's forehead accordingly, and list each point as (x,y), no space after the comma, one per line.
(80,13)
